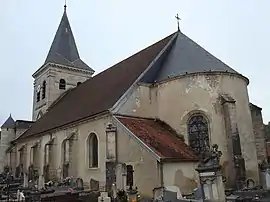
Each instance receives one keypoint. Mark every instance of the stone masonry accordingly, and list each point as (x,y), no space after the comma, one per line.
(259,132)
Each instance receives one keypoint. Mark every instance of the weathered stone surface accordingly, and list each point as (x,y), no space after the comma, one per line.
(259,132)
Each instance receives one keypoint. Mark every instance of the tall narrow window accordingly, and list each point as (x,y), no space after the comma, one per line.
(93,150)
(43,89)
(198,133)
(38,96)
(62,84)
(38,93)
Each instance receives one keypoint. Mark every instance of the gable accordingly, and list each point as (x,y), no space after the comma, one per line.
(159,138)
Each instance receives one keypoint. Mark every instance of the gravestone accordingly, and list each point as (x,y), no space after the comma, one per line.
(79,183)
(110,174)
(25,180)
(94,185)
(210,175)
(198,193)
(265,175)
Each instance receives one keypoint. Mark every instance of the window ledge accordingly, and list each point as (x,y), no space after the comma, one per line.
(94,168)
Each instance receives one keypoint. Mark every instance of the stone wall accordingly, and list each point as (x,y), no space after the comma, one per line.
(176,100)
(259,131)
(52,76)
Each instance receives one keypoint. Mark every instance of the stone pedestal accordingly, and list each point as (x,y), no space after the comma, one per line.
(209,170)
(212,184)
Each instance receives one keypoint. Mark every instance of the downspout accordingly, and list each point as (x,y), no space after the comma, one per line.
(161,174)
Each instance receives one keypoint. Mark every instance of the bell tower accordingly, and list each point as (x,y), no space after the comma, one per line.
(62,70)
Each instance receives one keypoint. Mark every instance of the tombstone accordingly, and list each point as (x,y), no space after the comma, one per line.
(79,184)
(65,170)
(17,172)
(114,191)
(110,175)
(210,175)
(198,193)
(25,180)
(265,175)
(94,185)
(41,182)
(59,173)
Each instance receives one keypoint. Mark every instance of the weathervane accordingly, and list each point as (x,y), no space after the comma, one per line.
(178,19)
(65,6)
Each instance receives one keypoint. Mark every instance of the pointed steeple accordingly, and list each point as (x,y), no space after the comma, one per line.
(9,123)
(63,49)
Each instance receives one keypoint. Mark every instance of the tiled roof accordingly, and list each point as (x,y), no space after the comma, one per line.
(160,137)
(99,93)
(23,124)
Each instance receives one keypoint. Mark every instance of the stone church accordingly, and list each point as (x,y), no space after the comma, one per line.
(141,122)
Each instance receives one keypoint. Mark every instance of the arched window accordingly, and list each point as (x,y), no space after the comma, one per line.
(62,84)
(93,151)
(198,133)
(79,83)
(43,89)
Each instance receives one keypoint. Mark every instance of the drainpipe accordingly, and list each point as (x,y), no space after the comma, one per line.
(161,174)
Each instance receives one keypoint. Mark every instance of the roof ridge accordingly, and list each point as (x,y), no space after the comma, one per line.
(93,96)
(59,98)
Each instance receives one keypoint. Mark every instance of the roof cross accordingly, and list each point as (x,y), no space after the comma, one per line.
(65,6)
(178,19)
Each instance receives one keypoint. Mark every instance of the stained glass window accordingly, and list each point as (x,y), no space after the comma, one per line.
(198,133)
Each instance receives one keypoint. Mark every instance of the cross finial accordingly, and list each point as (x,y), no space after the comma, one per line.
(178,19)
(65,6)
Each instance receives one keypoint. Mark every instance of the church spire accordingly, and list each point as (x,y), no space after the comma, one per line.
(63,49)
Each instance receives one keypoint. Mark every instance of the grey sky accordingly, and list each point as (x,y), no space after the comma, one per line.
(237,32)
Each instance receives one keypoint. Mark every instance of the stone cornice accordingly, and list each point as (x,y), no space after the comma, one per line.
(65,127)
(74,69)
(204,73)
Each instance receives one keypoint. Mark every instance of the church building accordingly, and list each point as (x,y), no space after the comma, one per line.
(141,122)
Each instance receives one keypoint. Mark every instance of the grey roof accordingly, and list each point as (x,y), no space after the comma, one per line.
(63,49)
(23,124)
(184,57)
(9,123)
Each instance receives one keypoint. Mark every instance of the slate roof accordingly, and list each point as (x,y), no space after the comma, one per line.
(23,124)
(186,57)
(160,137)
(9,123)
(97,94)
(63,49)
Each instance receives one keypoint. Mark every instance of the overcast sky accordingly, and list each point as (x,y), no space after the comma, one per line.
(237,32)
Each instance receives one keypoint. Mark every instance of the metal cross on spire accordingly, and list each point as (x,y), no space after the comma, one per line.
(178,19)
(65,6)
